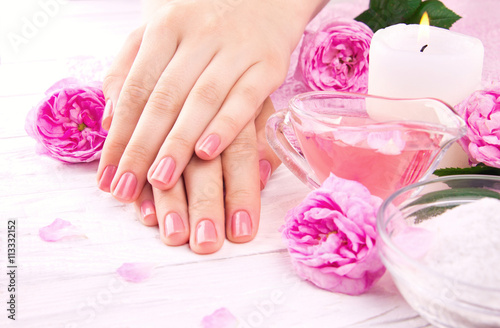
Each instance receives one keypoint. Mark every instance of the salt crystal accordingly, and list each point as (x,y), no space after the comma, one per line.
(467,243)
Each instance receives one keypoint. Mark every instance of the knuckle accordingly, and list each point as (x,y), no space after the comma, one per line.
(243,148)
(180,142)
(230,123)
(135,93)
(251,95)
(240,196)
(209,93)
(137,153)
(165,101)
(115,145)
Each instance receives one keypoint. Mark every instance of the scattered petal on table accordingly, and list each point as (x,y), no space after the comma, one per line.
(60,229)
(221,318)
(135,272)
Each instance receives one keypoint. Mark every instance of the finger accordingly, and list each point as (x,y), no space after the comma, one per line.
(268,160)
(145,207)
(240,165)
(238,109)
(203,182)
(117,73)
(172,214)
(202,103)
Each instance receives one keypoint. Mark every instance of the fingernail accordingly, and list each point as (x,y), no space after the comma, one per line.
(205,232)
(242,224)
(164,170)
(107,115)
(125,188)
(107,177)
(265,172)
(210,145)
(148,210)
(173,224)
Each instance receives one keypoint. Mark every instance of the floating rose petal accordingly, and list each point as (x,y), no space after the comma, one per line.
(221,318)
(60,229)
(135,272)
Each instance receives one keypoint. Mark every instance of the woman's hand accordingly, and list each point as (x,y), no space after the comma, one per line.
(195,210)
(189,82)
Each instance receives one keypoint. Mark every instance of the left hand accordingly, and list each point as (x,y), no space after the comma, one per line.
(196,210)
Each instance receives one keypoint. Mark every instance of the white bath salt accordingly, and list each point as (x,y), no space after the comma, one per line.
(466,243)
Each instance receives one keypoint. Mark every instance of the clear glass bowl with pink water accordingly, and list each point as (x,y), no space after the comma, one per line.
(381,142)
(440,241)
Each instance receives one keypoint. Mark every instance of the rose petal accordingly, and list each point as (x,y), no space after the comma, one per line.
(58,230)
(221,318)
(135,272)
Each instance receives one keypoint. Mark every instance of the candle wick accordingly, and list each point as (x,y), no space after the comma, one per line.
(423,48)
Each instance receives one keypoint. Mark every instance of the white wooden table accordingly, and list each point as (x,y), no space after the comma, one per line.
(73,283)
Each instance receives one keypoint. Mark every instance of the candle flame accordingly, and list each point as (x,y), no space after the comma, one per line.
(424,30)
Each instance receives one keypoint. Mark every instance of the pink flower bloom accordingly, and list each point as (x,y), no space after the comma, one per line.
(481,112)
(67,123)
(58,230)
(221,318)
(135,272)
(331,237)
(336,57)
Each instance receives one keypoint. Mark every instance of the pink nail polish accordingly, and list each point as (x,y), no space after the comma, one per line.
(173,224)
(205,232)
(147,210)
(242,224)
(107,177)
(210,145)
(265,172)
(108,109)
(107,115)
(125,188)
(164,170)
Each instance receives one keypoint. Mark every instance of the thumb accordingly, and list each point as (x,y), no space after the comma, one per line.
(268,160)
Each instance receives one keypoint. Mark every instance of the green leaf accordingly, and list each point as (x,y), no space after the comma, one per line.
(478,169)
(383,13)
(447,199)
(439,14)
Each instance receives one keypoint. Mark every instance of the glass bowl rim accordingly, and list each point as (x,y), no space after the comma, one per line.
(382,233)
(293,103)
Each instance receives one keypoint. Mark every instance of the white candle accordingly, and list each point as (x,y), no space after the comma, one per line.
(438,63)
(444,64)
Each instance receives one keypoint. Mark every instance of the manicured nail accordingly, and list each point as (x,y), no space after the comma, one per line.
(164,170)
(148,210)
(107,177)
(173,224)
(242,224)
(205,232)
(125,188)
(210,145)
(107,115)
(265,172)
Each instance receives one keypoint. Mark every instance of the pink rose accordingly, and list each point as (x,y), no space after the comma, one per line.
(336,57)
(331,237)
(67,123)
(481,112)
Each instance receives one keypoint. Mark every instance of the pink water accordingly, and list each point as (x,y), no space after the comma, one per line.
(382,161)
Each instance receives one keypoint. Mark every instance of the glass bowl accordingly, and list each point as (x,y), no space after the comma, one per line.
(443,299)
